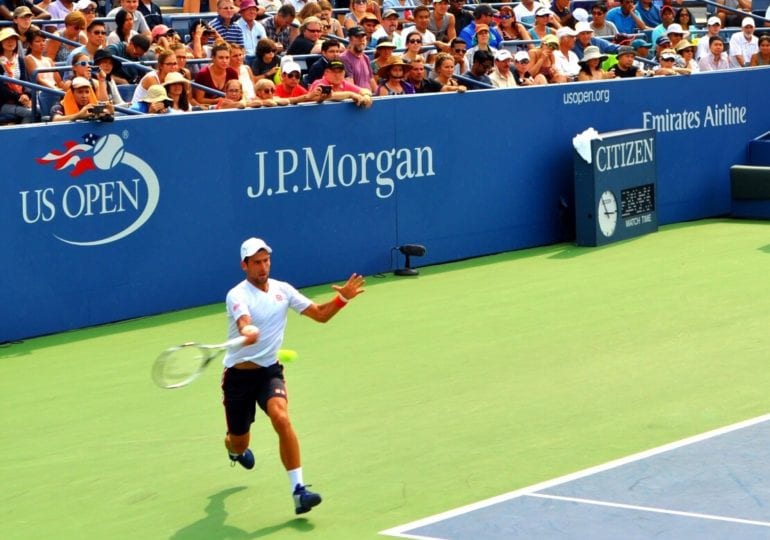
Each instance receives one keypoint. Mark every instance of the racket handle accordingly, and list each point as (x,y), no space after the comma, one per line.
(235,342)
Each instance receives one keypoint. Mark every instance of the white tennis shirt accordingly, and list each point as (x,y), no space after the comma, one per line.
(268,311)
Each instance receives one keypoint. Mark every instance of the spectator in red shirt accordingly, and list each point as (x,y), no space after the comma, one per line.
(291,89)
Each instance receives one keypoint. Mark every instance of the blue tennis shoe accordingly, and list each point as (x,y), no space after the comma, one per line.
(304,499)
(246,459)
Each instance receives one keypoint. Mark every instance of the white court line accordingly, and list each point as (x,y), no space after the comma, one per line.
(399,531)
(649,509)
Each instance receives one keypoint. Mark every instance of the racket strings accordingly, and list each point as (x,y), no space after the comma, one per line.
(179,365)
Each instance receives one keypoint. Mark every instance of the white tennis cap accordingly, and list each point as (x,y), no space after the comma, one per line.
(252,245)
(747,21)
(714,20)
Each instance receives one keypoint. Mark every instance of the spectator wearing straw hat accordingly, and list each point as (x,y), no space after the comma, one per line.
(686,52)
(392,79)
(743,44)
(156,101)
(383,52)
(501,75)
(590,65)
(178,90)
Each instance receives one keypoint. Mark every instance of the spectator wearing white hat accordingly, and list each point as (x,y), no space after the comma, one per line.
(290,88)
(80,103)
(525,11)
(668,58)
(521,74)
(501,75)
(713,26)
(178,90)
(542,27)
(675,34)
(732,18)
(743,44)
(585,38)
(566,62)
(156,101)
(590,65)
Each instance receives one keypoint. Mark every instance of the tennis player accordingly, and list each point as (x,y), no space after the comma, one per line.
(257,308)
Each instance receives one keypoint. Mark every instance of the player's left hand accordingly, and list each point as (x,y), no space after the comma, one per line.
(352,287)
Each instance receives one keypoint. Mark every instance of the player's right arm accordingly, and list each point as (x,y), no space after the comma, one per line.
(247,329)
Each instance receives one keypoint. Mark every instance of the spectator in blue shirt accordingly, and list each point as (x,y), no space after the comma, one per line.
(224,23)
(626,18)
(649,12)
(483,14)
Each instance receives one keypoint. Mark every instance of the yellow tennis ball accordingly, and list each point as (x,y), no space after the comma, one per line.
(287,355)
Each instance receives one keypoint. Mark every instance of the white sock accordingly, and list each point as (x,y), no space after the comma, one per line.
(295,477)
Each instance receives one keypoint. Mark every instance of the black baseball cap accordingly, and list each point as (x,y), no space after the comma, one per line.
(356,31)
(335,64)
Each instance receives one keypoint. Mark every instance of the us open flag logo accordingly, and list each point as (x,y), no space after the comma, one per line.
(77,156)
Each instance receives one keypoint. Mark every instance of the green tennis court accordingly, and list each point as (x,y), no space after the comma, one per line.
(425,394)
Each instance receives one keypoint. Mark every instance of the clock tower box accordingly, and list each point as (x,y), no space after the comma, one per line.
(616,187)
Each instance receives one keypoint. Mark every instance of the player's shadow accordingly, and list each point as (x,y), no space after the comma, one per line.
(213,527)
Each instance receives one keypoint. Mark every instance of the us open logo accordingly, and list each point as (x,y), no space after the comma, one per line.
(109,195)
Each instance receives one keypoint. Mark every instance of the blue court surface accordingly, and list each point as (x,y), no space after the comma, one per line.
(715,485)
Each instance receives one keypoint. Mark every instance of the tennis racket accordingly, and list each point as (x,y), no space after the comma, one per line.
(179,366)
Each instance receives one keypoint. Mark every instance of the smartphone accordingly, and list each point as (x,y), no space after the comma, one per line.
(326,89)
(95,71)
(98,109)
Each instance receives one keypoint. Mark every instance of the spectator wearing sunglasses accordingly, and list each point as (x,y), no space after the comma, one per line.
(510,28)
(521,73)
(96,37)
(74,23)
(266,97)
(308,40)
(166,64)
(599,23)
(413,46)
(291,90)
(81,67)
(457,49)
(163,37)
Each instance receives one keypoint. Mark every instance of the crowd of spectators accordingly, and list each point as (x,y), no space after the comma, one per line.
(264,53)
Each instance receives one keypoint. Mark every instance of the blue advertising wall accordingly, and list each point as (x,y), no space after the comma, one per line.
(103,222)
